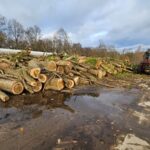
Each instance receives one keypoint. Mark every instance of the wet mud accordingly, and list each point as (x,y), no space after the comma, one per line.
(93,118)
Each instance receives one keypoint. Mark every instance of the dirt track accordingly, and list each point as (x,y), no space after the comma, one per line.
(94,118)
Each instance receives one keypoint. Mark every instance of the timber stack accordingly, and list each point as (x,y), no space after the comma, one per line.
(22,72)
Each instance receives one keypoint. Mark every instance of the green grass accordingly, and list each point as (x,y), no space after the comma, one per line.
(50,57)
(91,61)
(124,75)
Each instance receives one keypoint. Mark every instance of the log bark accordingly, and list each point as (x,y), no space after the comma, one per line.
(28,78)
(80,68)
(3,97)
(34,63)
(15,87)
(42,78)
(64,63)
(54,84)
(83,81)
(13,72)
(27,87)
(93,72)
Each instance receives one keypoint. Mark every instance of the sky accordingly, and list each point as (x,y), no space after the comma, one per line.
(121,23)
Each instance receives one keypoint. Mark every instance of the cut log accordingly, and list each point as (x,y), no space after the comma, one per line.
(42,78)
(64,63)
(27,87)
(28,78)
(67,69)
(34,63)
(50,65)
(60,69)
(4,65)
(104,73)
(93,71)
(82,59)
(15,87)
(71,74)
(100,74)
(76,80)
(54,84)
(69,83)
(38,87)
(98,64)
(80,68)
(3,97)
(83,81)
(14,72)
(34,72)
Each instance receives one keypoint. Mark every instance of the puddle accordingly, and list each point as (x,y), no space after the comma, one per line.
(92,117)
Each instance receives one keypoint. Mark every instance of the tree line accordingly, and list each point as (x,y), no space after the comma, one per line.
(15,36)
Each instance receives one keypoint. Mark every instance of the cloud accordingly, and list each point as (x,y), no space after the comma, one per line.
(116,22)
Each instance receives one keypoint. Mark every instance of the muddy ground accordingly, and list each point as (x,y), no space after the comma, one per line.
(92,118)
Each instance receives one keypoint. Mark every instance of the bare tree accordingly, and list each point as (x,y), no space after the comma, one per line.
(61,41)
(3,28)
(33,34)
(16,31)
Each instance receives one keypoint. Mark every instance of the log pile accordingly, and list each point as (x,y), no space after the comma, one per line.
(23,73)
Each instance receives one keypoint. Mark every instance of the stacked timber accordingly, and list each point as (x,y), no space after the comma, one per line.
(24,73)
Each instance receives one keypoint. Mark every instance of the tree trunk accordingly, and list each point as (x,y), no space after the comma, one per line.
(98,64)
(69,83)
(64,63)
(3,97)
(28,78)
(54,84)
(60,69)
(80,68)
(84,81)
(76,80)
(50,65)
(27,87)
(14,87)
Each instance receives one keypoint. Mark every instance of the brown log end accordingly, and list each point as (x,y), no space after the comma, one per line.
(4,65)
(67,69)
(60,69)
(50,65)
(76,80)
(42,78)
(38,87)
(69,83)
(34,72)
(100,74)
(54,84)
(98,64)
(17,88)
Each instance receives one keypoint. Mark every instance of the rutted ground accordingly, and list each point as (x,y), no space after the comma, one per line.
(92,118)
